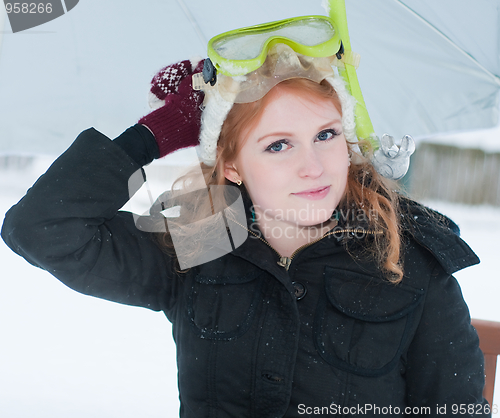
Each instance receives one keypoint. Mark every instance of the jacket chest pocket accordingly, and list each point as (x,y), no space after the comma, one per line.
(224,307)
(363,324)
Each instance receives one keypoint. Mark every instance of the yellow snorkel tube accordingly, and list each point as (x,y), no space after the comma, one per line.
(390,160)
(364,127)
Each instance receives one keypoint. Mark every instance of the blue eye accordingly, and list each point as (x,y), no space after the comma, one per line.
(327,135)
(278,146)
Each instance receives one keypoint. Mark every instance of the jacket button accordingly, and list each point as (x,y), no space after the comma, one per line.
(300,290)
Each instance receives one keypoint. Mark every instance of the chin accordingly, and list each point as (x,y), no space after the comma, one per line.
(315,215)
(314,221)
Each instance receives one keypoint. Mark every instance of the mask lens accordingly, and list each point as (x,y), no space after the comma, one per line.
(249,44)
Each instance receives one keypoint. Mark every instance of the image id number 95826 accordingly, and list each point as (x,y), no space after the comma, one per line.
(26,8)
(473,409)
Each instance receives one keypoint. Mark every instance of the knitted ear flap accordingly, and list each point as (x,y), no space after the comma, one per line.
(348,104)
(212,118)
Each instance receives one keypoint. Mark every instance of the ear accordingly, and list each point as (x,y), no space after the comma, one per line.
(231,173)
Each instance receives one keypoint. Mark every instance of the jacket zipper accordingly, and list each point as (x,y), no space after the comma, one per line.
(286,261)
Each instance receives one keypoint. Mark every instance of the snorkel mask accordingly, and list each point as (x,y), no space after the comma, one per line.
(245,64)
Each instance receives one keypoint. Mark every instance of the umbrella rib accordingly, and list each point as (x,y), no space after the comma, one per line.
(193,22)
(495,78)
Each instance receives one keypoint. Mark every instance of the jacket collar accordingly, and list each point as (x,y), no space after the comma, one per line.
(438,234)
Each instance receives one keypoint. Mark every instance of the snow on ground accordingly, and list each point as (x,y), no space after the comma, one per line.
(68,355)
(480,228)
(64,354)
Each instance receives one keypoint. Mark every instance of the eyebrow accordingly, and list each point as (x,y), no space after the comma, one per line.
(326,125)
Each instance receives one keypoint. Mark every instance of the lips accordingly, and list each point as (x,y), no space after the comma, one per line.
(314,194)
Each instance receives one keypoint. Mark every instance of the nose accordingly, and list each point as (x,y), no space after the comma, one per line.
(310,163)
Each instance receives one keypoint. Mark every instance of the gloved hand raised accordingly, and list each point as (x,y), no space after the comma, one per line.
(176,121)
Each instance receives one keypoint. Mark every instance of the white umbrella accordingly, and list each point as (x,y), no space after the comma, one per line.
(427,66)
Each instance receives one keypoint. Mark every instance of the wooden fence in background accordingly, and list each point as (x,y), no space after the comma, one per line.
(461,175)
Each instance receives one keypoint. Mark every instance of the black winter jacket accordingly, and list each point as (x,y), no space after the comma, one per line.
(329,335)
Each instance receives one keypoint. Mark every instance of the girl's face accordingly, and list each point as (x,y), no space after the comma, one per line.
(294,161)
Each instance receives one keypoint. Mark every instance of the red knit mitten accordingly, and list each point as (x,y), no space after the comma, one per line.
(176,124)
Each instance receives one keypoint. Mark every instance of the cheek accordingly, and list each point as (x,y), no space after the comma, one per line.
(337,161)
(342,176)
(267,188)
(262,184)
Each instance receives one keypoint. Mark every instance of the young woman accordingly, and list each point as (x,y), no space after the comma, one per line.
(341,299)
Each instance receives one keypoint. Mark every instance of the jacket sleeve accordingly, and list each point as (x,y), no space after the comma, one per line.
(445,366)
(69,224)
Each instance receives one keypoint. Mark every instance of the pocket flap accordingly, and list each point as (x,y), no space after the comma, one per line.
(228,270)
(368,298)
